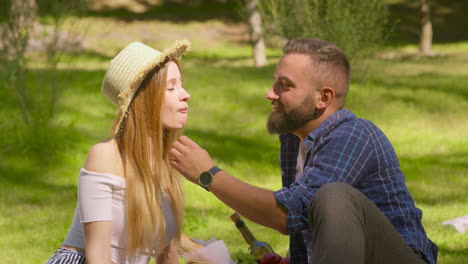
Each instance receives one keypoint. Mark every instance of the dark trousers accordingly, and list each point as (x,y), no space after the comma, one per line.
(349,228)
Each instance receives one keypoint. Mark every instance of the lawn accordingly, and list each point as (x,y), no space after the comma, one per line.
(420,103)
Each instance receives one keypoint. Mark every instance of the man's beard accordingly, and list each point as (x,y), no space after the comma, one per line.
(287,122)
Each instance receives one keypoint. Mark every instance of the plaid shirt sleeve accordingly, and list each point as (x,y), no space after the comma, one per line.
(342,156)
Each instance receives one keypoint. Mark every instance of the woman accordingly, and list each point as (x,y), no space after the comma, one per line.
(130,204)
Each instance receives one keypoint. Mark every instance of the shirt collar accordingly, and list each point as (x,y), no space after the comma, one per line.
(329,124)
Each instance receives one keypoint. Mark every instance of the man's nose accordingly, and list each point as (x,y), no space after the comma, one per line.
(272,95)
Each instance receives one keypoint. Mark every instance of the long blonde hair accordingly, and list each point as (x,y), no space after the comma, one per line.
(144,146)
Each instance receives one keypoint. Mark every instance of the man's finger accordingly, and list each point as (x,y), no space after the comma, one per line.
(186,141)
(174,163)
(175,153)
(180,147)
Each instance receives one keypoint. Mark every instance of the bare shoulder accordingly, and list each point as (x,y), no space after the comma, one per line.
(104,157)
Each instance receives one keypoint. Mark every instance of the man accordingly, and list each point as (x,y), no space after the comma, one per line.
(344,198)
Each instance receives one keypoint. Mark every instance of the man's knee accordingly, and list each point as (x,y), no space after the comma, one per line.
(333,192)
(331,200)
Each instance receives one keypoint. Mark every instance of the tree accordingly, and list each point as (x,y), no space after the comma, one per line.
(357,26)
(24,13)
(15,38)
(425,41)
(35,92)
(256,33)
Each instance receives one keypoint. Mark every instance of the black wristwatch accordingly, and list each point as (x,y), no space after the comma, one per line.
(206,178)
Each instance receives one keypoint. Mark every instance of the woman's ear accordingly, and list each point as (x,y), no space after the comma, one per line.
(325,97)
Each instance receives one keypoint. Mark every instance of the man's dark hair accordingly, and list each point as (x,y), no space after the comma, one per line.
(327,57)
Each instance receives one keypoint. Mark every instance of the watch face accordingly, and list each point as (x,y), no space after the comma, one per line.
(205,178)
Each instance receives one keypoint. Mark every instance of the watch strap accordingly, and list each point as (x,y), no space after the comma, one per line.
(213,170)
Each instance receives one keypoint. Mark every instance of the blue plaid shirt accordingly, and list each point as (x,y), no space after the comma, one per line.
(347,149)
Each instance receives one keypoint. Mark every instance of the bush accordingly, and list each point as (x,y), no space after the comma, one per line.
(356,26)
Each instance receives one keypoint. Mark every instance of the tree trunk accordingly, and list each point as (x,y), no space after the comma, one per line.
(255,21)
(425,43)
(23,16)
(24,12)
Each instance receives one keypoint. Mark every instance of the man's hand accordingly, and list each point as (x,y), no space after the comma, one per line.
(257,204)
(190,159)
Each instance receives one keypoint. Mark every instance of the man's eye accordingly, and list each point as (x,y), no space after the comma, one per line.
(284,84)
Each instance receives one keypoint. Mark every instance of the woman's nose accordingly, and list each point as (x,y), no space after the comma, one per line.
(185,95)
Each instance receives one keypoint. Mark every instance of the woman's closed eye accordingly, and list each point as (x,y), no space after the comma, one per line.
(173,84)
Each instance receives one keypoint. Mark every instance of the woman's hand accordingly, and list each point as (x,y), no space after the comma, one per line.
(168,255)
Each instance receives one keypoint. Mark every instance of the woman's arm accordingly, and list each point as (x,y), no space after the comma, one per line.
(169,255)
(98,242)
(95,197)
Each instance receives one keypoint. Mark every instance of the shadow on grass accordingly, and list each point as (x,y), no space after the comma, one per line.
(437,178)
(451,85)
(37,187)
(27,156)
(25,165)
(28,153)
(233,148)
(177,13)
(35,193)
(457,256)
(420,92)
(87,55)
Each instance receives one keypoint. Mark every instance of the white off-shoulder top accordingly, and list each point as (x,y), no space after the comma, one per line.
(101,197)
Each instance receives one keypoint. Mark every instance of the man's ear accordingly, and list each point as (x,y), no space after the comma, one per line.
(325,97)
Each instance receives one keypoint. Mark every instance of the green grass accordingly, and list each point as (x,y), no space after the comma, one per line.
(420,103)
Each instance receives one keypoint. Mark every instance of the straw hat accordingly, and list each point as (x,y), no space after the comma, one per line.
(128,70)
